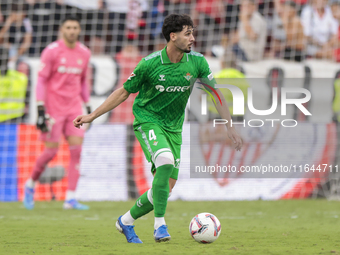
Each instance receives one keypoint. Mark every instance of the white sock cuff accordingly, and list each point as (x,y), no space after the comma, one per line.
(127,219)
(70,194)
(159,221)
(30,183)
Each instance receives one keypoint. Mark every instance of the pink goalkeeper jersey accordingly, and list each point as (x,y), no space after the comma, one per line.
(64,70)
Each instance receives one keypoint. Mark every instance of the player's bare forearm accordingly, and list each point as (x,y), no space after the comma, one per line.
(25,44)
(223,109)
(249,30)
(116,98)
(6,27)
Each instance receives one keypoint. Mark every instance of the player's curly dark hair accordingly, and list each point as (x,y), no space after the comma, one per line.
(71,18)
(174,23)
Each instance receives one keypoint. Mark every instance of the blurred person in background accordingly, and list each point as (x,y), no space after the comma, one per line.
(320,27)
(229,74)
(1,16)
(13,85)
(161,9)
(333,53)
(16,31)
(116,29)
(127,60)
(156,17)
(209,17)
(61,89)
(42,14)
(133,18)
(177,6)
(232,16)
(249,41)
(289,41)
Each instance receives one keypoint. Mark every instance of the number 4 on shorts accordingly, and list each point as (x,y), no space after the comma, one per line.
(152,135)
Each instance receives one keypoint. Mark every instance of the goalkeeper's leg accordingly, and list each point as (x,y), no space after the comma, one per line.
(75,146)
(51,149)
(51,140)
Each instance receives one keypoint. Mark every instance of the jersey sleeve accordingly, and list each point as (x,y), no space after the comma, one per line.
(135,82)
(205,74)
(27,25)
(85,69)
(41,89)
(334,27)
(45,68)
(85,90)
(306,20)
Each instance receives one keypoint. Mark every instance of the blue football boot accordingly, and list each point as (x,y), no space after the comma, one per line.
(128,231)
(161,234)
(28,198)
(74,204)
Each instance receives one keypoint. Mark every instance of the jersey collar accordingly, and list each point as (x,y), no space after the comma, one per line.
(165,59)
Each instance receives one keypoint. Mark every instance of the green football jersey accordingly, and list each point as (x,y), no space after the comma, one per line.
(164,87)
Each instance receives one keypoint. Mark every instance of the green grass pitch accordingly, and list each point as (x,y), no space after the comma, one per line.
(248,227)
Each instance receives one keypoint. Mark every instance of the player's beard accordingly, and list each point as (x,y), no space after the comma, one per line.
(71,40)
(186,50)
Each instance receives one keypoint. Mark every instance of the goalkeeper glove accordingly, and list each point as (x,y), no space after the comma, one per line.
(42,119)
(88,110)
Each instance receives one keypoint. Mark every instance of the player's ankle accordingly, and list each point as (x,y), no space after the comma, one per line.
(159,221)
(70,194)
(30,183)
(127,219)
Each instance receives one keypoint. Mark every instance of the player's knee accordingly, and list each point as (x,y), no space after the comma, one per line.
(52,145)
(50,152)
(75,140)
(164,158)
(75,151)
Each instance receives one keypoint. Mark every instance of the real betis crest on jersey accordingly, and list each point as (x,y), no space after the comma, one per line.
(188,76)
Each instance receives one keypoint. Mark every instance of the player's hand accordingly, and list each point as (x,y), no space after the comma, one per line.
(41,124)
(42,119)
(81,119)
(236,138)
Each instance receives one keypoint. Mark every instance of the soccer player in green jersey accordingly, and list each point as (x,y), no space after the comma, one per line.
(163,80)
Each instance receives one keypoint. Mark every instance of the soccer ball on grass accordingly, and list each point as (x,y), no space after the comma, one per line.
(205,228)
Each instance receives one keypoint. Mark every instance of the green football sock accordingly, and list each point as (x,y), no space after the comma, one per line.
(160,189)
(141,207)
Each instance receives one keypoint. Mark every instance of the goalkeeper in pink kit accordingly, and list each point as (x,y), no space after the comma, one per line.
(61,91)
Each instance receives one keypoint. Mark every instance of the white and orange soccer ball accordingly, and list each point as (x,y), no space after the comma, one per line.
(205,228)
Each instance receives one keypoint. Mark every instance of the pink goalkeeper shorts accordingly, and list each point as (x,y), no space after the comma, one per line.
(62,125)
